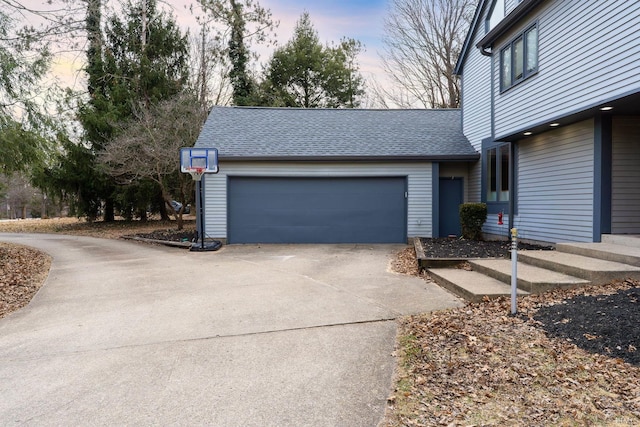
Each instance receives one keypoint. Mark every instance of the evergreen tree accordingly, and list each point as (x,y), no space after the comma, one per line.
(304,73)
(22,65)
(141,58)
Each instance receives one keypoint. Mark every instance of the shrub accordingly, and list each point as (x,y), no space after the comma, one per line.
(472,218)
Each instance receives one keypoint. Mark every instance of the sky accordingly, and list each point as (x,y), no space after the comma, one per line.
(333,19)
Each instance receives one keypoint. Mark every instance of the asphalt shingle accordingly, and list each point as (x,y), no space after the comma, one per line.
(253,133)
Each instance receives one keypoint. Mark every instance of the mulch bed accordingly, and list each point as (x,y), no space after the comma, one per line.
(461,248)
(607,324)
(604,324)
(169,235)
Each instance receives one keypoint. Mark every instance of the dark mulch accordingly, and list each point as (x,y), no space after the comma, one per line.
(169,235)
(461,248)
(605,324)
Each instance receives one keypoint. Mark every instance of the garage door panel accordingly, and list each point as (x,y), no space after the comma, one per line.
(317,210)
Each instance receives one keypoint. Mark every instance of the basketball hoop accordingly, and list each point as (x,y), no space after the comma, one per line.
(196,162)
(196,173)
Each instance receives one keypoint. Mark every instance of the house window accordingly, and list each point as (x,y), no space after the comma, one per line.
(519,59)
(497,173)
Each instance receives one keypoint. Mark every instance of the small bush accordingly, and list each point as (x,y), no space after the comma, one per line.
(472,218)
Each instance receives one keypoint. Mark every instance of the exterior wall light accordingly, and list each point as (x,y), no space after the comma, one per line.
(553,125)
(528,133)
(606,108)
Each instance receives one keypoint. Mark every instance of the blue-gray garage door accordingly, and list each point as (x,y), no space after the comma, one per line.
(317,210)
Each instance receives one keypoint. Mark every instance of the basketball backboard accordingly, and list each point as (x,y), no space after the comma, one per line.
(204,160)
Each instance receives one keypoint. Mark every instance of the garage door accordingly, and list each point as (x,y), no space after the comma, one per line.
(316,210)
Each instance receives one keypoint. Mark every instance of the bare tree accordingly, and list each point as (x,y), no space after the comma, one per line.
(210,67)
(422,41)
(149,148)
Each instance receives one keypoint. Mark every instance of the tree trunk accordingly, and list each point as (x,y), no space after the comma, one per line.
(164,213)
(176,215)
(109,210)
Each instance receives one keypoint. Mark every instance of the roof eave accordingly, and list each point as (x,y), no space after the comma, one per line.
(467,42)
(444,157)
(516,15)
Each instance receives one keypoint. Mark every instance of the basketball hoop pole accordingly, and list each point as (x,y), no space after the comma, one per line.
(215,244)
(200,213)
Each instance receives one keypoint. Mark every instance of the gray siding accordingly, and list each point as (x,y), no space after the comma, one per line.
(588,54)
(475,182)
(476,93)
(625,197)
(555,185)
(509,5)
(419,203)
(476,107)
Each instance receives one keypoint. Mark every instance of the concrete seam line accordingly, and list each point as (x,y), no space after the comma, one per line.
(248,334)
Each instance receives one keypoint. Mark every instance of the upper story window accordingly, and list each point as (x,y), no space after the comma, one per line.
(519,59)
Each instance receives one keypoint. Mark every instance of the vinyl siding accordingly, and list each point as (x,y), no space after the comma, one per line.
(419,203)
(475,182)
(555,185)
(509,5)
(625,197)
(476,93)
(587,55)
(476,107)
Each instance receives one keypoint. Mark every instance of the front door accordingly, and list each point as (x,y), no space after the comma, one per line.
(451,197)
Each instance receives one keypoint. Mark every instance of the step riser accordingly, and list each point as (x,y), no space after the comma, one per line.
(458,290)
(618,239)
(595,277)
(470,285)
(525,285)
(599,254)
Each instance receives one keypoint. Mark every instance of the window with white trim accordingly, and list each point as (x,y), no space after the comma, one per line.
(519,59)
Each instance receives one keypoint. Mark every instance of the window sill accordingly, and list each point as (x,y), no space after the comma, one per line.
(516,84)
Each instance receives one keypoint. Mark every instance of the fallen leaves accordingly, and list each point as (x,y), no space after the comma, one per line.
(23,270)
(79,227)
(478,365)
(405,262)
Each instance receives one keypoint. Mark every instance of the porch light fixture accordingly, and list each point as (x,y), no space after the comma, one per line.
(607,108)
(528,133)
(553,125)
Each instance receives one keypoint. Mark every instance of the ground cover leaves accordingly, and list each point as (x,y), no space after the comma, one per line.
(477,365)
(23,270)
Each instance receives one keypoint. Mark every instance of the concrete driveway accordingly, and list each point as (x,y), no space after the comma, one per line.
(130,334)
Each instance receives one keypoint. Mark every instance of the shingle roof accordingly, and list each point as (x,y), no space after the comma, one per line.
(252,133)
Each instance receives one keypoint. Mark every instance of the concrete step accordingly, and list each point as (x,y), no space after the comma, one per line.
(632,240)
(596,271)
(471,285)
(530,278)
(605,251)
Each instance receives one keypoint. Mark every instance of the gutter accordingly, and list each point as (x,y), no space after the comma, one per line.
(439,158)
